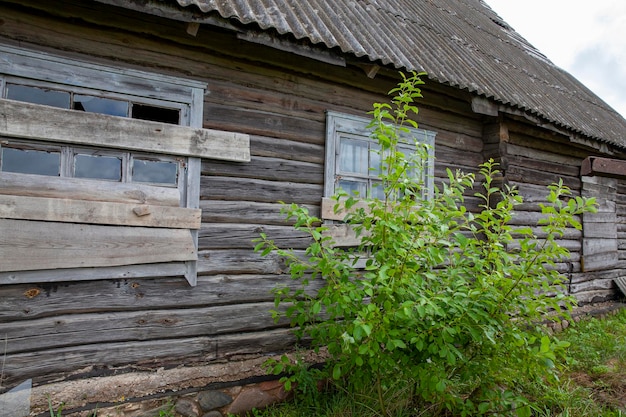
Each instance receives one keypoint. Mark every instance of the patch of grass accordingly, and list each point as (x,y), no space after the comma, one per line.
(592,384)
(598,360)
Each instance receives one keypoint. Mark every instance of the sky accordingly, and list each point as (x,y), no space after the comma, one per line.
(585,38)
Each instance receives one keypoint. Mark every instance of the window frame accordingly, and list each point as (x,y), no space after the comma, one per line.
(340,125)
(188,141)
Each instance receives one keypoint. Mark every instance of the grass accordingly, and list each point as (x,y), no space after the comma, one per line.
(593,383)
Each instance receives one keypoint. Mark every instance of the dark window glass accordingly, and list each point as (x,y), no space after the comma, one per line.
(38,95)
(98,167)
(155,114)
(28,161)
(158,172)
(100,105)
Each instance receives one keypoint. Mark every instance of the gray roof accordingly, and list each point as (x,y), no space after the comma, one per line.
(462,43)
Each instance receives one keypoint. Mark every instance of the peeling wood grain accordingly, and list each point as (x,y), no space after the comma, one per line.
(33,121)
(97,212)
(31,245)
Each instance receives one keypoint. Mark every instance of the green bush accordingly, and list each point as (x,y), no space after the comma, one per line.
(436,298)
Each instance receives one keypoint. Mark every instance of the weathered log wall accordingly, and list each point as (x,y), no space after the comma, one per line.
(110,325)
(104,326)
(533,159)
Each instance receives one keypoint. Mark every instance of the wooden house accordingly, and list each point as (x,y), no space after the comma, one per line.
(144,144)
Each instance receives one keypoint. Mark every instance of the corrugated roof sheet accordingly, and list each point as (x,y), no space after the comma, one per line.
(462,43)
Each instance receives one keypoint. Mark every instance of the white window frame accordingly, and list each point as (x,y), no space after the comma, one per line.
(190,143)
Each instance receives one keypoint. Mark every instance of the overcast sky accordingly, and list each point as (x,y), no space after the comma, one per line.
(585,38)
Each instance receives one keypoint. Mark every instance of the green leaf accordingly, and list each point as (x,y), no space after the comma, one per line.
(441,386)
(336,372)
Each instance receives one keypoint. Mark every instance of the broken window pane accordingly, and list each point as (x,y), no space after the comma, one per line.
(30,161)
(38,95)
(100,105)
(157,172)
(98,167)
(156,114)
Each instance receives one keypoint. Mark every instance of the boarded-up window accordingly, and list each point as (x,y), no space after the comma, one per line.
(99,172)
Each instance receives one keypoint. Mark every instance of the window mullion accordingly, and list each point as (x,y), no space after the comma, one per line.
(127,167)
(67,162)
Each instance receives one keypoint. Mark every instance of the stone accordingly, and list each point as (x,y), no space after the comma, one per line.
(276,389)
(213,414)
(187,407)
(212,400)
(249,398)
(162,410)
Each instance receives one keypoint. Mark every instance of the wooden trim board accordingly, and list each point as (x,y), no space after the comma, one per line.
(33,245)
(34,121)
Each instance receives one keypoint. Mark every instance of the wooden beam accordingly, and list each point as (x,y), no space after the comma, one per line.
(605,167)
(33,245)
(482,105)
(34,121)
(97,212)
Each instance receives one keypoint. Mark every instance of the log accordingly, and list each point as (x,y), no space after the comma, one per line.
(217,211)
(243,236)
(69,330)
(268,168)
(261,191)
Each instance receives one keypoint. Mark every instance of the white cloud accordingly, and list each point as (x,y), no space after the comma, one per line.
(587,39)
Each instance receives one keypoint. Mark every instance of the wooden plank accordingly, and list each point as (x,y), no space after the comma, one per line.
(94,328)
(557,167)
(595,296)
(32,245)
(328,211)
(33,121)
(218,211)
(42,66)
(193,202)
(512,149)
(599,254)
(30,301)
(283,148)
(600,225)
(596,284)
(447,156)
(152,354)
(343,235)
(594,165)
(599,230)
(262,191)
(239,261)
(80,189)
(242,236)
(539,177)
(262,123)
(170,269)
(621,284)
(97,212)
(268,168)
